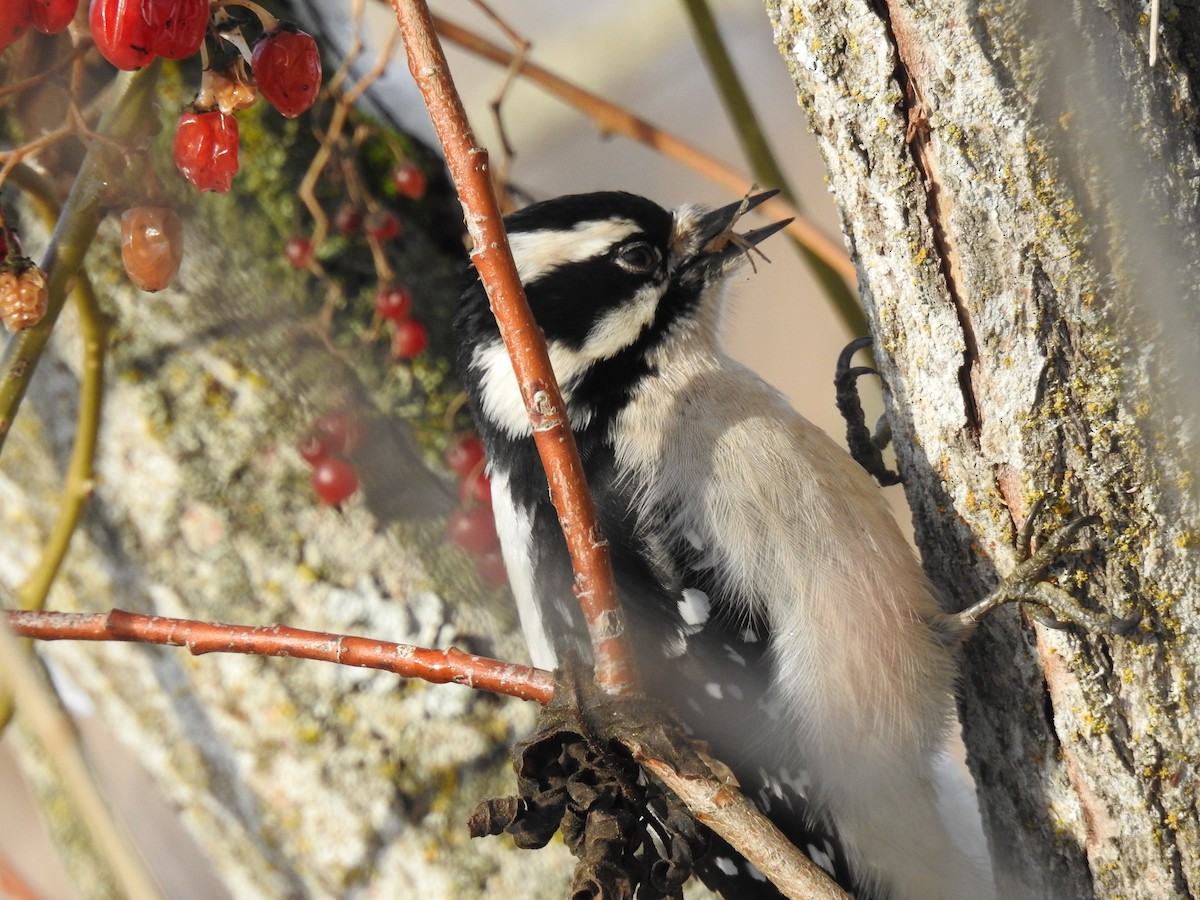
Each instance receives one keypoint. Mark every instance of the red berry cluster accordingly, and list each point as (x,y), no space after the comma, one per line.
(409,337)
(472,526)
(332,437)
(47,16)
(131,34)
(286,66)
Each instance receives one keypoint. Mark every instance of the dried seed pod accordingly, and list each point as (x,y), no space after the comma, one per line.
(22,294)
(151,246)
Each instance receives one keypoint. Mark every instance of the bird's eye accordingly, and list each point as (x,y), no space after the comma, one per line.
(638,257)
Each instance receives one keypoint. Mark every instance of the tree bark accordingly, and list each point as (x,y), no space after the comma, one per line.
(1018,188)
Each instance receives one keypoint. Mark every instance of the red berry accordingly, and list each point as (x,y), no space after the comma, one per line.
(490,568)
(121,33)
(464,454)
(347,220)
(473,529)
(341,432)
(15,18)
(52,16)
(409,339)
(475,488)
(383,226)
(206,149)
(151,246)
(299,252)
(287,68)
(409,180)
(177,26)
(393,303)
(334,480)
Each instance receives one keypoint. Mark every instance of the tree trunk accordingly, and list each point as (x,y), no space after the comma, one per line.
(1018,188)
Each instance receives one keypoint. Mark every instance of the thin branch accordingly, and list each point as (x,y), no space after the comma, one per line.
(727,812)
(614,119)
(77,490)
(595,586)
(79,484)
(436,666)
(343,104)
(57,739)
(72,237)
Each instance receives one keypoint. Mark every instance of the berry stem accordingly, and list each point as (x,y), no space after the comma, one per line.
(85,206)
(269,21)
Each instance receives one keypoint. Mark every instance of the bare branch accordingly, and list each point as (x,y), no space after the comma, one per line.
(727,812)
(436,666)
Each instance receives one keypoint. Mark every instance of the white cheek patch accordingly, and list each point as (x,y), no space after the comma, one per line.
(539,252)
(502,402)
(620,327)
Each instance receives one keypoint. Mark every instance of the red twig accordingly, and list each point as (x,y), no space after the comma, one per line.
(437,666)
(468,164)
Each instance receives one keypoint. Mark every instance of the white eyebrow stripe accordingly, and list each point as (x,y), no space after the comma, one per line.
(542,251)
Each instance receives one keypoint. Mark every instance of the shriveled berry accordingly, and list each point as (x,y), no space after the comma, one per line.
(151,246)
(383,226)
(52,16)
(121,33)
(347,220)
(228,89)
(206,149)
(299,252)
(473,529)
(409,180)
(287,69)
(15,18)
(393,303)
(464,454)
(490,568)
(22,294)
(176,26)
(409,339)
(334,480)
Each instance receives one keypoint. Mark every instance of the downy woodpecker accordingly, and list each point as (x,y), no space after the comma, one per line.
(771,599)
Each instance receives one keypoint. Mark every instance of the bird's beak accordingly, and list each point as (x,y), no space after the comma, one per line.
(715,228)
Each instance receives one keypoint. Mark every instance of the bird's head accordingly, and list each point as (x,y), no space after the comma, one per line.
(612,279)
